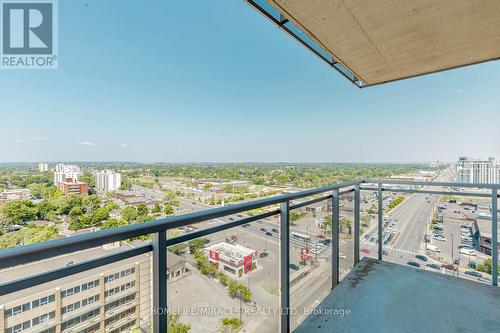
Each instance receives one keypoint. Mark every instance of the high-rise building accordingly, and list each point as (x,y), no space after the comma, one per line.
(478,171)
(63,173)
(108,180)
(43,167)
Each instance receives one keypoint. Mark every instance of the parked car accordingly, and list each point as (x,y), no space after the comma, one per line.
(263,229)
(263,254)
(449,267)
(385,252)
(467,251)
(270,234)
(246,225)
(275,230)
(421,257)
(474,273)
(456,261)
(433,266)
(433,248)
(439,238)
(413,263)
(472,264)
(294,267)
(231,219)
(365,250)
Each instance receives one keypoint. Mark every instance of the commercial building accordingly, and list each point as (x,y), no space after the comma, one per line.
(108,180)
(479,171)
(63,172)
(43,167)
(71,186)
(481,228)
(235,260)
(17,194)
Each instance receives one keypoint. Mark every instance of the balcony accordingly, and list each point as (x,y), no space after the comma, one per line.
(349,267)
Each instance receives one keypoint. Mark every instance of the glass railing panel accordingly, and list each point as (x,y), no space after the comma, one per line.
(368,225)
(310,257)
(346,234)
(110,298)
(226,281)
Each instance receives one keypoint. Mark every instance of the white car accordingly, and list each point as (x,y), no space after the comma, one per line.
(439,238)
(467,251)
(433,248)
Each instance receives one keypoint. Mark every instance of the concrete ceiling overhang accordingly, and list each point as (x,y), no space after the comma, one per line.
(380,41)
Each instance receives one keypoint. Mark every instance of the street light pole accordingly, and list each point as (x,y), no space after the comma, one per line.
(452,255)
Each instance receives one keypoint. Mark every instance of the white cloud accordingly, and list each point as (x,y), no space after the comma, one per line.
(39,138)
(124,145)
(459,91)
(20,140)
(85,143)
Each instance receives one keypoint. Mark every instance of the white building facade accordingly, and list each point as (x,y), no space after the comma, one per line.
(63,172)
(478,171)
(108,180)
(43,167)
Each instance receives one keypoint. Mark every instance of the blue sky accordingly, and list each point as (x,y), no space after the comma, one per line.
(181,81)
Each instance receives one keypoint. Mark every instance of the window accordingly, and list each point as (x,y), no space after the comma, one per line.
(26,306)
(16,310)
(77,289)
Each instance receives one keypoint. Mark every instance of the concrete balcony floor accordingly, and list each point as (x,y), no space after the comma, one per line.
(386,297)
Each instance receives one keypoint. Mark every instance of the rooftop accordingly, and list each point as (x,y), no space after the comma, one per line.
(386,297)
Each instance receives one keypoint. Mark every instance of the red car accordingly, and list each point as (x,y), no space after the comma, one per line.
(365,250)
(263,229)
(448,267)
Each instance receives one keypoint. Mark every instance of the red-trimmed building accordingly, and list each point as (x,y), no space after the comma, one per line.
(235,260)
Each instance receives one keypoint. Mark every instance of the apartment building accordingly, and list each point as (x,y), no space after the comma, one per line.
(479,171)
(108,180)
(15,194)
(63,172)
(43,167)
(71,186)
(113,298)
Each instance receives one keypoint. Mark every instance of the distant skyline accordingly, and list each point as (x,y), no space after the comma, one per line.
(216,82)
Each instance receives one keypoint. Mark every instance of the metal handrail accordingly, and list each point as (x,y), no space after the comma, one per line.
(33,252)
(158,228)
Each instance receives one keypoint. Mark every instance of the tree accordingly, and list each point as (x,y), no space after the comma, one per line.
(88,178)
(486,266)
(196,244)
(174,326)
(178,248)
(27,235)
(129,213)
(16,212)
(142,210)
(169,210)
(156,209)
(112,223)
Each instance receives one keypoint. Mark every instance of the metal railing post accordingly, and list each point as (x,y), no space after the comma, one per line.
(494,236)
(335,237)
(357,199)
(160,282)
(380,220)
(284,267)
